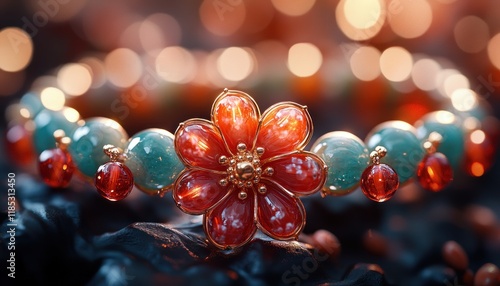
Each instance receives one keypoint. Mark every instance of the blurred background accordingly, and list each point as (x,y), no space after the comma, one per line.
(141,62)
(354,63)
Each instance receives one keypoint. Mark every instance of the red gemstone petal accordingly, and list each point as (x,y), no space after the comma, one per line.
(114,181)
(200,144)
(285,127)
(56,167)
(279,214)
(379,182)
(301,173)
(196,191)
(237,116)
(434,172)
(19,145)
(231,223)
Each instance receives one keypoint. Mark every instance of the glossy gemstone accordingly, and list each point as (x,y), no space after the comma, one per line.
(152,159)
(379,182)
(46,122)
(404,150)
(346,157)
(20,145)
(237,116)
(231,224)
(302,173)
(280,215)
(200,144)
(448,126)
(284,128)
(56,167)
(434,172)
(87,142)
(198,190)
(114,181)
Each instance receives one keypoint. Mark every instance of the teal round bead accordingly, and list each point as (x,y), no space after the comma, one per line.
(346,157)
(449,127)
(89,139)
(31,102)
(46,122)
(404,150)
(152,159)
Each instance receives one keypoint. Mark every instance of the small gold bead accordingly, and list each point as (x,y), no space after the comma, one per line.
(269,171)
(223,160)
(262,189)
(242,147)
(242,195)
(259,151)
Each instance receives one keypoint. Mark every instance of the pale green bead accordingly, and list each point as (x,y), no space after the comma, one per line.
(448,126)
(46,122)
(346,157)
(404,150)
(152,159)
(87,142)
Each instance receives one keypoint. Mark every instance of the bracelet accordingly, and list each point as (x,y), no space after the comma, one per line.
(246,171)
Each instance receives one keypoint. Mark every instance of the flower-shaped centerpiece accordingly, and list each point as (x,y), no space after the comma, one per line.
(245,171)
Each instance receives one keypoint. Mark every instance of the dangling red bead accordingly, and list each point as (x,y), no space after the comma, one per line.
(56,167)
(434,172)
(379,182)
(114,181)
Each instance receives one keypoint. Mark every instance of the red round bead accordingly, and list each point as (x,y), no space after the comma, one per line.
(379,182)
(434,172)
(114,181)
(56,167)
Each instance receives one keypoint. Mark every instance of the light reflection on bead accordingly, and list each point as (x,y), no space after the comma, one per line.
(152,160)
(404,149)
(89,139)
(346,157)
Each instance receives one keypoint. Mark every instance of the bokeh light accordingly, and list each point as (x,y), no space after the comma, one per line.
(304,59)
(362,14)
(52,98)
(123,67)
(396,64)
(96,68)
(494,50)
(471,34)
(454,82)
(16,49)
(464,99)
(235,64)
(74,79)
(365,63)
(222,18)
(408,18)
(357,22)
(424,74)
(293,7)
(176,64)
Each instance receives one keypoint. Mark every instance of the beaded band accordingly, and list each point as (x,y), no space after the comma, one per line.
(246,171)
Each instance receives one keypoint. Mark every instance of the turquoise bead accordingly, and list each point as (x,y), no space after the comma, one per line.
(404,150)
(31,102)
(87,142)
(152,159)
(46,122)
(449,127)
(346,157)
